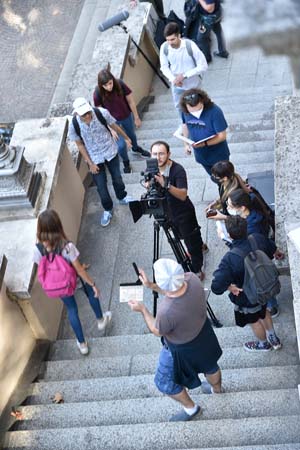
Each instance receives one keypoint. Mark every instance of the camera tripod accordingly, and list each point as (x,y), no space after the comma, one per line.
(181,256)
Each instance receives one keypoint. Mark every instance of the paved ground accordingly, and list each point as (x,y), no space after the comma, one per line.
(34,39)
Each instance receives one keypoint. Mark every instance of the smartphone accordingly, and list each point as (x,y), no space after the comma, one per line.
(211,213)
(137,272)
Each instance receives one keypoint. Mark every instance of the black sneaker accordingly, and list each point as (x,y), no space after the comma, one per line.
(127,167)
(141,152)
(222,54)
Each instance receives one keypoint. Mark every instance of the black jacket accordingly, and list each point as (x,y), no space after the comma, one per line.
(231,269)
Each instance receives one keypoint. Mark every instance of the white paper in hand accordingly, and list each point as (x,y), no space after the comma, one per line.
(131,292)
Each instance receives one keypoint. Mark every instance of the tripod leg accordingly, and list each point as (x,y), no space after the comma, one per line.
(185,261)
(155,258)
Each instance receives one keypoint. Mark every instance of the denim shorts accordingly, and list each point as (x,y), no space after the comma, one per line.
(164,374)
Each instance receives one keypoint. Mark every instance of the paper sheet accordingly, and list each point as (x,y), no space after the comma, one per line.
(131,292)
(178,135)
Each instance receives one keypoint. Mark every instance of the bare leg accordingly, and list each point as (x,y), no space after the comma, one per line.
(259,330)
(267,322)
(215,380)
(183,398)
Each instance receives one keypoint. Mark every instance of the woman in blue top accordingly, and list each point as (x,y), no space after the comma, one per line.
(203,120)
(250,208)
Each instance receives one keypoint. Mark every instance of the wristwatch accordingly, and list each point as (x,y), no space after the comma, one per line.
(205,143)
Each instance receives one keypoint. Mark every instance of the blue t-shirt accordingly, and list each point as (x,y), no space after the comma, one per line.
(211,121)
(209,2)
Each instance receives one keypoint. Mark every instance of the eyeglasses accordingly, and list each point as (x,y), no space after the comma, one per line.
(190,97)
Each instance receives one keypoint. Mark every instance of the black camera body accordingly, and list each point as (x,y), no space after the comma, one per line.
(154,201)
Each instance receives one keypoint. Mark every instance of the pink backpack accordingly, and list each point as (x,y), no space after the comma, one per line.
(57,277)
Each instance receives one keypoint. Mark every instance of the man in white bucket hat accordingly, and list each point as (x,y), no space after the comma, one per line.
(190,345)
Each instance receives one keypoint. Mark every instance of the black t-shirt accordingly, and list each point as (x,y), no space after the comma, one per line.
(177,178)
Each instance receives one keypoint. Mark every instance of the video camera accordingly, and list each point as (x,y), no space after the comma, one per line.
(154,201)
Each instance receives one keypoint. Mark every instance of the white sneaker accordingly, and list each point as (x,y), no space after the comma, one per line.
(83,347)
(102,323)
(126,200)
(105,218)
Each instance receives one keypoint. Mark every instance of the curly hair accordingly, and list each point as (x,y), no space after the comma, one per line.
(203,98)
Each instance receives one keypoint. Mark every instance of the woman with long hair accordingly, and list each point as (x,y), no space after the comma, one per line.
(52,241)
(223,173)
(114,95)
(204,121)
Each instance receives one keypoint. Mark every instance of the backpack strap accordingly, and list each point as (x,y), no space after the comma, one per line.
(122,84)
(41,248)
(76,127)
(253,243)
(99,116)
(188,49)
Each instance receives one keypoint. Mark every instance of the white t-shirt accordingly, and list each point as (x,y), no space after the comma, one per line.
(70,253)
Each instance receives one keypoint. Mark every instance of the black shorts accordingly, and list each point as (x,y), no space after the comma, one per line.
(242,319)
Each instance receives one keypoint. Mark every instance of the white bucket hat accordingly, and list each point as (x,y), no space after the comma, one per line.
(169,275)
(81,106)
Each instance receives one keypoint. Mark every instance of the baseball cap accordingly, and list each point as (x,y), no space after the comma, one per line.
(81,106)
(169,275)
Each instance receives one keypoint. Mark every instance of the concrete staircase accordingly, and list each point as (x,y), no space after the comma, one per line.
(110,401)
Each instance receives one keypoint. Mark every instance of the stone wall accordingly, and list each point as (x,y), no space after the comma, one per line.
(16,341)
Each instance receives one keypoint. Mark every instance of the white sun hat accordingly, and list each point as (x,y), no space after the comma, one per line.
(169,275)
(81,106)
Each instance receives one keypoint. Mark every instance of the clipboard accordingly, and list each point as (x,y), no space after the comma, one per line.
(132,291)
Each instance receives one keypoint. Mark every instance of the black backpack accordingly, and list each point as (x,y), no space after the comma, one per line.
(99,116)
(261,279)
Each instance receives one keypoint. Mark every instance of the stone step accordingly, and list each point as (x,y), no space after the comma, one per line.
(159,436)
(231,117)
(227,108)
(139,165)
(147,137)
(254,447)
(89,367)
(223,98)
(198,173)
(235,148)
(276,90)
(238,125)
(142,386)
(125,345)
(236,405)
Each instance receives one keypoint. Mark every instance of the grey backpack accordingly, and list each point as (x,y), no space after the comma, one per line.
(188,49)
(261,280)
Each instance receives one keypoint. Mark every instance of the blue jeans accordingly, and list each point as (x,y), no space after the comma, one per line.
(100,179)
(72,310)
(129,128)
(122,149)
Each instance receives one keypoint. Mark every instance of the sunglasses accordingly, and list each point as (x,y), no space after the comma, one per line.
(191,97)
